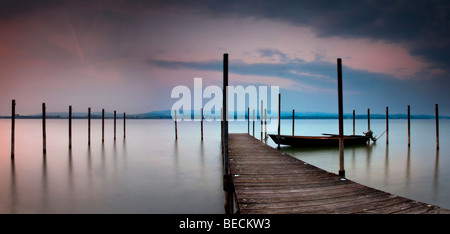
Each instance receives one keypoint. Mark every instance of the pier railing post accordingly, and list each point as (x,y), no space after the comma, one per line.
(293,121)
(341,120)
(254,122)
(225,120)
(202,122)
(13,122)
(279,120)
(353,122)
(176,130)
(248,120)
(265,123)
(261,118)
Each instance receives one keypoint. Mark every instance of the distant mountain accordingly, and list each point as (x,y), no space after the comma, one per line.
(166,114)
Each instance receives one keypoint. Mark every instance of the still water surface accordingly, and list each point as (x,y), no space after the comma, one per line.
(150,172)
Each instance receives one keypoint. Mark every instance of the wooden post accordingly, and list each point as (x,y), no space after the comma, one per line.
(341,120)
(89,126)
(409,127)
(387,125)
(70,127)
(103,125)
(202,122)
(265,123)
(279,117)
(437,125)
(368,119)
(353,122)
(253,122)
(227,182)
(44,140)
(261,117)
(176,130)
(114,125)
(13,122)
(124,124)
(248,120)
(293,123)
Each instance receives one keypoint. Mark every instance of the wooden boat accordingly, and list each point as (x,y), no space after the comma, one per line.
(314,141)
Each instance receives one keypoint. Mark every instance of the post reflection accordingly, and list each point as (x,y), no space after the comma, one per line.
(386,165)
(408,170)
(70,178)
(175,158)
(13,194)
(436,176)
(124,151)
(44,187)
(202,159)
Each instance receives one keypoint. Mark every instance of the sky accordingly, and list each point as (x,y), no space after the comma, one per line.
(129,55)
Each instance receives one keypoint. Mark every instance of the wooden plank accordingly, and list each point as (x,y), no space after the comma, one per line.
(267,181)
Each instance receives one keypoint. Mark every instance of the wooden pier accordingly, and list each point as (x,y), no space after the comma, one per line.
(267,181)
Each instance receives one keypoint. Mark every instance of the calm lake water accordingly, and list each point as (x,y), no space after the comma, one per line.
(150,172)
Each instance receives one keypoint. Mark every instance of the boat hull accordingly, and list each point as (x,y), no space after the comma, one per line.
(317,141)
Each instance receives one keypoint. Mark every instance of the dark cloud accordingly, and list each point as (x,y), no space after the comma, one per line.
(421,26)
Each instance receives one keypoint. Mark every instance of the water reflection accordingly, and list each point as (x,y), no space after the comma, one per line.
(386,165)
(13,188)
(436,176)
(408,170)
(70,175)
(44,186)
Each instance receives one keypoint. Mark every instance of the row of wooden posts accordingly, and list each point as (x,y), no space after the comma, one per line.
(13,117)
(264,123)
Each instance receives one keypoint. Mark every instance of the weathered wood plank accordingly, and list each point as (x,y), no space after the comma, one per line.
(267,181)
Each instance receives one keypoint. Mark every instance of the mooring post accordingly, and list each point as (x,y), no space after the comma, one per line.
(227,180)
(89,126)
(261,117)
(341,119)
(279,117)
(265,123)
(202,122)
(176,130)
(124,124)
(387,125)
(114,125)
(248,120)
(293,124)
(13,122)
(437,125)
(253,122)
(70,127)
(103,125)
(409,127)
(44,141)
(353,122)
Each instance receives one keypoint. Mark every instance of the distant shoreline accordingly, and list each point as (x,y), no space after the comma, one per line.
(299,116)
